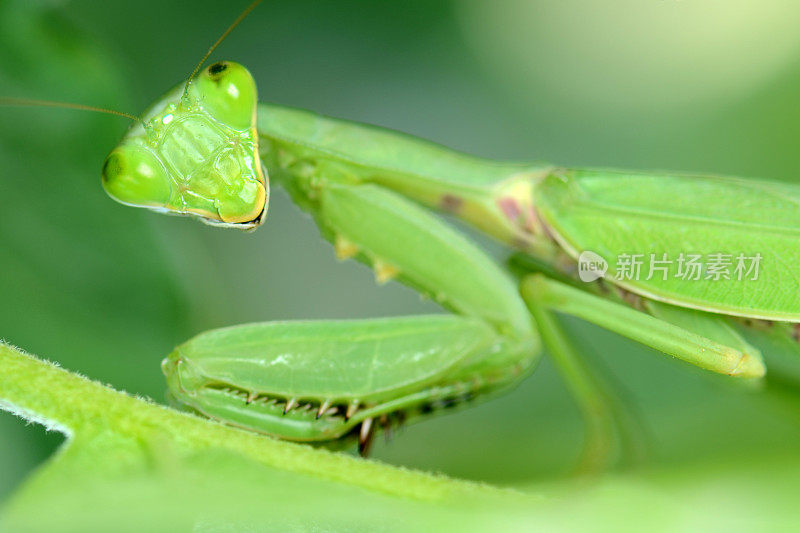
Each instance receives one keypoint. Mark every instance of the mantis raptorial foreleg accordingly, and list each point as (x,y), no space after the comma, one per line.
(320,380)
(378,367)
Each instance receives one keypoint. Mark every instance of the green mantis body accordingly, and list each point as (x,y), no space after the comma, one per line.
(371,192)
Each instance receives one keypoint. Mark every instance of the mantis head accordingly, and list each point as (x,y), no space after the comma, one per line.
(195,152)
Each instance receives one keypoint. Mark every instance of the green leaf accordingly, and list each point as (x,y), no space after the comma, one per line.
(130,464)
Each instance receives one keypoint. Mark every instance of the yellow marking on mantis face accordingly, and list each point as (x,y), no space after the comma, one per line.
(196,152)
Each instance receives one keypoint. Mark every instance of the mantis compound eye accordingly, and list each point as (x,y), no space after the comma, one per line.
(134,176)
(227,91)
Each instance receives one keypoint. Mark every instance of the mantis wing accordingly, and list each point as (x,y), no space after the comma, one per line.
(613,213)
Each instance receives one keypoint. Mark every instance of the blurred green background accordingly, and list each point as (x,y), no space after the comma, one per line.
(107,290)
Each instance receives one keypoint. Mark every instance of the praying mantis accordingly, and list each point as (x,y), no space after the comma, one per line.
(208,149)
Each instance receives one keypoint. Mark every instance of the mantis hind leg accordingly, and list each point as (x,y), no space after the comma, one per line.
(606,421)
(699,338)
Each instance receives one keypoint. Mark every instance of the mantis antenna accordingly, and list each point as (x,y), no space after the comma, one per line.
(222,37)
(29,102)
(25,102)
